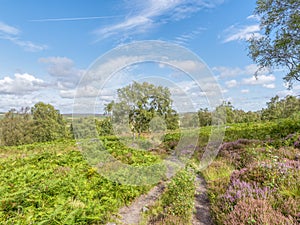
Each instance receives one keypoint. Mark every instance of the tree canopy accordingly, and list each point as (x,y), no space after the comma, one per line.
(41,123)
(139,103)
(280,44)
(48,123)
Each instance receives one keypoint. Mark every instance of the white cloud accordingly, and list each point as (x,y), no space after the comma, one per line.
(11,34)
(253,17)
(64,70)
(294,91)
(146,13)
(89,91)
(224,72)
(234,33)
(224,91)
(260,80)
(59,66)
(73,18)
(21,84)
(187,65)
(185,38)
(6,29)
(28,45)
(244,91)
(284,93)
(270,86)
(296,87)
(231,83)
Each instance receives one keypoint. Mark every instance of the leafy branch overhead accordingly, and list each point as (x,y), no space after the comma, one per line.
(279,47)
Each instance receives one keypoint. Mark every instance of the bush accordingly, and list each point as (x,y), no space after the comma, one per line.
(43,124)
(104,127)
(168,220)
(256,211)
(239,190)
(179,196)
(274,131)
(51,183)
(238,152)
(176,204)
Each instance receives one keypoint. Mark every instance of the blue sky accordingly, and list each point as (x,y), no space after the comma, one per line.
(47,46)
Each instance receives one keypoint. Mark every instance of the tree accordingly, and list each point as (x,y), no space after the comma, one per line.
(281,108)
(39,124)
(48,123)
(16,127)
(280,44)
(84,127)
(104,126)
(204,117)
(139,103)
(225,110)
(189,120)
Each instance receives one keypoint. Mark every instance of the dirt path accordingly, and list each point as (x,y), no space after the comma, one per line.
(202,213)
(131,215)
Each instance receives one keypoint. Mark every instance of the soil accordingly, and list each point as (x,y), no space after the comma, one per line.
(202,205)
(131,215)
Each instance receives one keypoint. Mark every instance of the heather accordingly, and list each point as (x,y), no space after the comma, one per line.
(263,185)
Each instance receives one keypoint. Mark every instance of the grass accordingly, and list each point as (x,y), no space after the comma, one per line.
(219,169)
(176,204)
(269,178)
(52,183)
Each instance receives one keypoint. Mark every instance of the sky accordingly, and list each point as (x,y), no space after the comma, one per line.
(47,48)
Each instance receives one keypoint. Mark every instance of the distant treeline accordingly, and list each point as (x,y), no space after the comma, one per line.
(276,109)
(43,122)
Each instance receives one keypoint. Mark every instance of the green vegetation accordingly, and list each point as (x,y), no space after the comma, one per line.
(140,104)
(54,182)
(276,109)
(43,123)
(176,204)
(250,174)
(51,183)
(279,46)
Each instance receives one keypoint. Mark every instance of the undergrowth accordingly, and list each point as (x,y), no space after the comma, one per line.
(52,183)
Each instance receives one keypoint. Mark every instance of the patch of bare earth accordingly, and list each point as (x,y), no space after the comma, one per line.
(131,215)
(202,205)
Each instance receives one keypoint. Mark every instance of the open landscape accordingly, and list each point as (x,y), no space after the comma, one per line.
(253,180)
(153,112)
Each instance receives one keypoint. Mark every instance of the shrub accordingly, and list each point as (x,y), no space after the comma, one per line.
(43,124)
(238,153)
(168,220)
(239,190)
(291,207)
(256,211)
(104,127)
(269,173)
(178,199)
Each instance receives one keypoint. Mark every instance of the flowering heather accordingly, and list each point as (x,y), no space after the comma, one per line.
(290,136)
(236,174)
(228,146)
(239,190)
(288,164)
(294,138)
(256,211)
